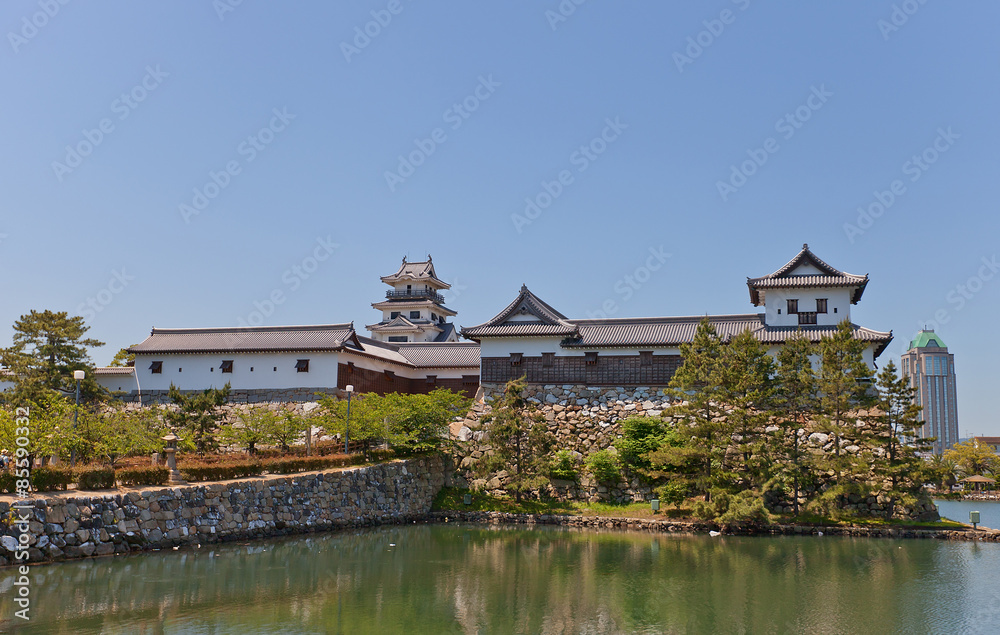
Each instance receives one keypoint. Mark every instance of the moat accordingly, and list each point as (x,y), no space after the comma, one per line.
(458,578)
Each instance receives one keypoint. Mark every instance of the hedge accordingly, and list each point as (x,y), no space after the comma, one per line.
(43,479)
(139,476)
(95,478)
(221,471)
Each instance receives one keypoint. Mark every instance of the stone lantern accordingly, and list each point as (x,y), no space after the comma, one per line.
(171,451)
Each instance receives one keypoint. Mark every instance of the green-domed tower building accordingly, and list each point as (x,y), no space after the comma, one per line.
(932,372)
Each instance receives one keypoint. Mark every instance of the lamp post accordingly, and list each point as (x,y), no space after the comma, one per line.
(347,430)
(77,375)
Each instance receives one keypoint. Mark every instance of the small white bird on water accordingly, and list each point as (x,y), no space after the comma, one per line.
(714,533)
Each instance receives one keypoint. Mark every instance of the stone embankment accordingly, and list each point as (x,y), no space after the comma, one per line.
(66,526)
(697,527)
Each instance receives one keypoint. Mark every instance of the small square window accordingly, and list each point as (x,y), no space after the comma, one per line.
(390,375)
(591,358)
(645,358)
(414,315)
(350,367)
(548,360)
(227,366)
(156,367)
(821,305)
(179,369)
(302,366)
(398,338)
(275,369)
(515,359)
(793,307)
(251,369)
(431,379)
(393,315)
(834,309)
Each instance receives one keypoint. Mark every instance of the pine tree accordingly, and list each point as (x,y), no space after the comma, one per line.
(845,390)
(197,415)
(795,403)
(699,383)
(519,439)
(748,393)
(47,347)
(895,439)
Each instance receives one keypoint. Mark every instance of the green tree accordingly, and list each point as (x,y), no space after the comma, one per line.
(749,393)
(119,432)
(604,466)
(197,415)
(287,428)
(123,359)
(420,422)
(256,425)
(796,401)
(47,347)
(895,439)
(844,386)
(699,383)
(639,437)
(367,422)
(519,439)
(972,458)
(50,426)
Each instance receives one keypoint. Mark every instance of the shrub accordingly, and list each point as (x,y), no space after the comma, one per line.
(143,476)
(95,478)
(221,471)
(46,479)
(8,482)
(673,493)
(603,466)
(563,466)
(734,511)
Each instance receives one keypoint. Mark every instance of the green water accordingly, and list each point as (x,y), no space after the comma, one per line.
(471,579)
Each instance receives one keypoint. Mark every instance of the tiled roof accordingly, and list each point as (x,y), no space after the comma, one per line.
(424,354)
(441,354)
(447,330)
(326,337)
(663,331)
(547,321)
(114,370)
(398,323)
(423,271)
(784,279)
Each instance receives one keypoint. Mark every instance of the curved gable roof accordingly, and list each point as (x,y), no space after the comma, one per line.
(546,320)
(785,278)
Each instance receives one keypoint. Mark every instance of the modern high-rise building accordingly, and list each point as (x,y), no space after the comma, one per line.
(932,372)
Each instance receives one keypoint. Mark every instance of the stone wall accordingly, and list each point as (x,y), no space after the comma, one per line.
(62,527)
(583,419)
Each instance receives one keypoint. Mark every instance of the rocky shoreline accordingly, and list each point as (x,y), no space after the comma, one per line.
(697,527)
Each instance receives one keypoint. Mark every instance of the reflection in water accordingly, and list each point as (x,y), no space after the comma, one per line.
(473,579)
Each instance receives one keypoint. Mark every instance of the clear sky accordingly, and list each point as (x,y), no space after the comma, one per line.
(180,164)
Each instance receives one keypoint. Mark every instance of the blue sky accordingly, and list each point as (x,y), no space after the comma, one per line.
(175,162)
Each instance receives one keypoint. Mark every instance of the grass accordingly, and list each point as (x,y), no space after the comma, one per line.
(452,499)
